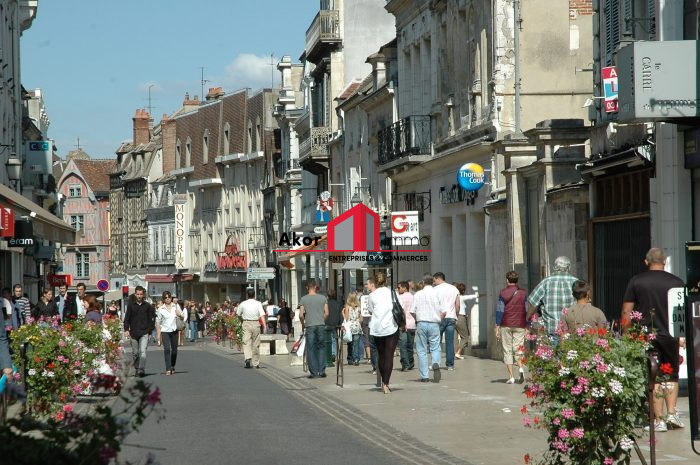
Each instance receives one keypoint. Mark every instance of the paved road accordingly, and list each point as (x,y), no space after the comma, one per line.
(217,412)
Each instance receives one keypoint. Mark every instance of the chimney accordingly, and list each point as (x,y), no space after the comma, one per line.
(377,60)
(188,102)
(285,67)
(214,93)
(142,127)
(168,132)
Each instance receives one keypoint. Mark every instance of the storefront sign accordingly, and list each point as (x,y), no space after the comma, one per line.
(655,84)
(57,280)
(182,224)
(404,228)
(232,259)
(456,195)
(471,177)
(260,274)
(676,323)
(7,222)
(24,234)
(211,267)
(610,88)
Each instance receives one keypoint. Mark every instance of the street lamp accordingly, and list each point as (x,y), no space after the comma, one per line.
(355,199)
(13,165)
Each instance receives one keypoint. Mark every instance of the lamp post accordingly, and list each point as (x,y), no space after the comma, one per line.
(13,165)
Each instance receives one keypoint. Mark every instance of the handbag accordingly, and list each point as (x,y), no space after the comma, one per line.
(298,347)
(397,310)
(347,332)
(180,323)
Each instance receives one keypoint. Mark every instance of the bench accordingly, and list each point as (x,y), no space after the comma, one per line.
(273,344)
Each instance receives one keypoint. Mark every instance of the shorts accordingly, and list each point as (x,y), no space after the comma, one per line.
(668,350)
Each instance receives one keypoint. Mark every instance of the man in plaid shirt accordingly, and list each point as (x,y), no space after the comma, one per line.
(554,294)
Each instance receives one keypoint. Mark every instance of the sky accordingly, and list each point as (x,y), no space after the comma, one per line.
(94,60)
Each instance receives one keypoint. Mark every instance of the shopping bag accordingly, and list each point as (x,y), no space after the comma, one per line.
(347,333)
(298,347)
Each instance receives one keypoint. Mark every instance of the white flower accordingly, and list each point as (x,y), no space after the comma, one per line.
(615,386)
(626,443)
(571,355)
(31,372)
(44,373)
(608,411)
(563,371)
(619,371)
(50,374)
(598,392)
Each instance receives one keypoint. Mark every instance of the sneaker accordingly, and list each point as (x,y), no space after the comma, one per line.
(521,377)
(674,422)
(459,357)
(322,375)
(450,368)
(659,427)
(510,381)
(247,363)
(436,373)
(425,380)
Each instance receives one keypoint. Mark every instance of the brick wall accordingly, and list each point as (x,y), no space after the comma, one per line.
(580,7)
(169,136)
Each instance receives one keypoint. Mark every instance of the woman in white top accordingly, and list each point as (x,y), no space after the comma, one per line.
(382,327)
(166,326)
(462,321)
(351,313)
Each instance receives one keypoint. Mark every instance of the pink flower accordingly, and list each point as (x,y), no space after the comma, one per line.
(651,336)
(563,433)
(62,343)
(585,365)
(154,397)
(597,358)
(77,363)
(526,421)
(567,413)
(577,433)
(580,331)
(602,368)
(636,316)
(576,390)
(602,343)
(556,421)
(563,384)
(582,381)
(590,402)
(77,388)
(67,408)
(608,461)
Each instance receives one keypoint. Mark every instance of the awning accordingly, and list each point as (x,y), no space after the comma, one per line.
(46,225)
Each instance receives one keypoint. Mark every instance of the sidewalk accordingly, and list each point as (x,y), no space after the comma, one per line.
(471,414)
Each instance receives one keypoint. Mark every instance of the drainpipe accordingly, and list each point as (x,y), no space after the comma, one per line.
(516,46)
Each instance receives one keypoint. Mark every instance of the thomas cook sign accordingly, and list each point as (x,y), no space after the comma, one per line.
(182,224)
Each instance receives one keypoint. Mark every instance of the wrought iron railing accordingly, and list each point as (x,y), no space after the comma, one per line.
(409,136)
(325,27)
(316,145)
(412,201)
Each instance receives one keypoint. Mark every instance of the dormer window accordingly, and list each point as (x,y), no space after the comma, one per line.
(178,159)
(205,147)
(227,133)
(75,191)
(188,153)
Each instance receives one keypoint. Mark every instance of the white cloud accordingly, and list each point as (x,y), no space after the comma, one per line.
(249,70)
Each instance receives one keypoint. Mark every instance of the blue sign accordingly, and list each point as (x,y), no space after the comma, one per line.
(103,285)
(471,177)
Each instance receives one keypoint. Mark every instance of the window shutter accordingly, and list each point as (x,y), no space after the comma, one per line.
(628,14)
(612,29)
(651,14)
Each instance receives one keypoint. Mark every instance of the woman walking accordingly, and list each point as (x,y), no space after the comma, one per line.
(462,321)
(192,322)
(382,327)
(351,313)
(166,326)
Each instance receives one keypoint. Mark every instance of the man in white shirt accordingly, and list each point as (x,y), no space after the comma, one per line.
(449,301)
(80,302)
(251,311)
(272,311)
(428,313)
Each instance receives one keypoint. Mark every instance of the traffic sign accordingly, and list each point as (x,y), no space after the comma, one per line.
(103,285)
(260,274)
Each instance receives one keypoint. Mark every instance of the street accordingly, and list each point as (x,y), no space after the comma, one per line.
(219,412)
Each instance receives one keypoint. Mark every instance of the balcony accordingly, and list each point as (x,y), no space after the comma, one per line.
(407,140)
(314,151)
(323,33)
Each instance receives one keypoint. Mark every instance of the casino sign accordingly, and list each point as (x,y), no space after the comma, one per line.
(232,259)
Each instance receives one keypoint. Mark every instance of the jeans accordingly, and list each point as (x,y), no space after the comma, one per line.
(331,340)
(138,351)
(373,352)
(427,338)
(169,349)
(356,348)
(316,349)
(406,339)
(193,330)
(448,328)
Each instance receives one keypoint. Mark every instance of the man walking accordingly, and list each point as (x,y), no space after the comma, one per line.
(67,309)
(449,302)
(647,293)
(408,333)
(510,324)
(139,323)
(80,301)
(313,313)
(20,304)
(428,313)
(333,321)
(251,311)
(552,295)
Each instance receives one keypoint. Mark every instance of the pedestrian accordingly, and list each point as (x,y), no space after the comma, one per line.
(139,322)
(8,310)
(181,334)
(272,311)
(351,313)
(411,286)
(67,309)
(313,311)
(5,358)
(370,356)
(167,333)
(285,318)
(408,333)
(511,320)
(251,311)
(94,310)
(449,298)
(583,313)
(192,321)
(552,295)
(427,310)
(22,307)
(45,308)
(113,310)
(202,313)
(647,293)
(333,322)
(80,302)
(462,321)
(383,327)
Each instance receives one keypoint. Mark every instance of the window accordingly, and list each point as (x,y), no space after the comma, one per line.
(205,147)
(75,191)
(178,161)
(249,145)
(77,221)
(82,265)
(188,153)
(156,244)
(257,135)
(227,132)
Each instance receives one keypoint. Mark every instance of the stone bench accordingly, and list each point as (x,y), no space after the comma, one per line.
(273,344)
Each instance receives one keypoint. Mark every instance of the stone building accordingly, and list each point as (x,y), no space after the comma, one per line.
(85,187)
